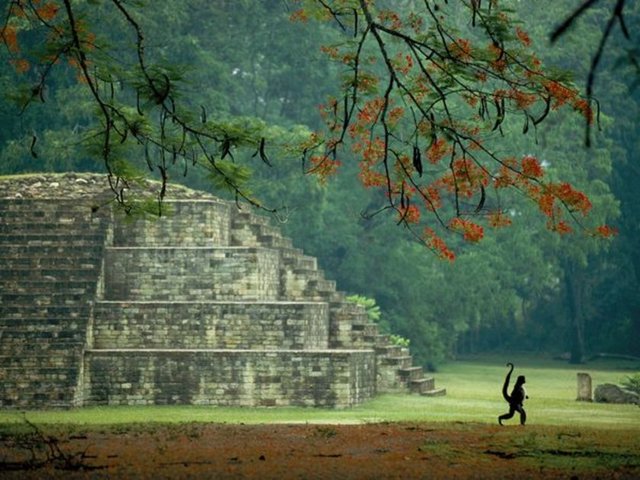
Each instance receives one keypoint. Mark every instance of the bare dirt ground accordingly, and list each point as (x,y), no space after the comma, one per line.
(368,451)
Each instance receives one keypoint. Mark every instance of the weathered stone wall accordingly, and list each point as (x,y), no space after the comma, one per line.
(342,334)
(211,325)
(197,223)
(195,273)
(230,377)
(50,258)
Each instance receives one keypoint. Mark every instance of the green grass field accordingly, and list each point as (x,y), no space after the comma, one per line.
(473,395)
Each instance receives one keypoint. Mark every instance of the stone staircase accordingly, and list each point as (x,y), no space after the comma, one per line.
(349,324)
(50,260)
(209,305)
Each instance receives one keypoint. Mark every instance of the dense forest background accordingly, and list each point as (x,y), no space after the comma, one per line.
(522,288)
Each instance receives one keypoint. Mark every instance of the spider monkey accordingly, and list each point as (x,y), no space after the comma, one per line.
(517,397)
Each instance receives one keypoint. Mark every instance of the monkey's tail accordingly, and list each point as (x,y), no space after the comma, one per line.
(505,387)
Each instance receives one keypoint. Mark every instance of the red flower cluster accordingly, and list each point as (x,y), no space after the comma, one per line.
(390,18)
(439,247)
(323,166)
(572,198)
(438,150)
(499,219)
(561,94)
(471,232)
(606,231)
(461,49)
(367,116)
(299,15)
(465,178)
(531,167)
(560,227)
(410,214)
(506,176)
(523,37)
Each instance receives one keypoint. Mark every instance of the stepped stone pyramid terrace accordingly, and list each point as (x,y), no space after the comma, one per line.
(207,305)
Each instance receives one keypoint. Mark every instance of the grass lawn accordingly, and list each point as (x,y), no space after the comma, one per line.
(391,436)
(473,395)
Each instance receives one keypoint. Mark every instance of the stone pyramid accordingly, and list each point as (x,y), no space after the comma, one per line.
(207,305)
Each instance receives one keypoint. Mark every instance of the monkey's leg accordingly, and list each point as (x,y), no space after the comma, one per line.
(523,415)
(507,416)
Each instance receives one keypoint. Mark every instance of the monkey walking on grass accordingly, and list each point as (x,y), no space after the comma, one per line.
(516,399)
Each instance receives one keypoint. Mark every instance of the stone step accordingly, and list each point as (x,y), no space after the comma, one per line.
(45,277)
(34,204)
(322,285)
(40,214)
(34,393)
(366,329)
(389,350)
(435,392)
(51,353)
(370,340)
(16,310)
(43,372)
(28,227)
(294,259)
(245,230)
(39,324)
(260,233)
(47,288)
(291,252)
(241,218)
(35,359)
(421,385)
(337,297)
(82,273)
(31,325)
(274,241)
(399,362)
(42,267)
(42,338)
(19,399)
(51,252)
(81,270)
(305,283)
(49,298)
(410,374)
(68,239)
(349,308)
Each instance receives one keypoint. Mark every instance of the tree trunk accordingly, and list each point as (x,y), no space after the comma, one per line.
(574,286)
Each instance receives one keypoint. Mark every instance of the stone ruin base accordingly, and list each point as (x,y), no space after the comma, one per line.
(209,305)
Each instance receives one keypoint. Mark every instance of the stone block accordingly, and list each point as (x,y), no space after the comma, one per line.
(191,274)
(229,377)
(610,393)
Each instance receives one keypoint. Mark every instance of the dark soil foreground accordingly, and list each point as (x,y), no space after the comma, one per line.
(375,451)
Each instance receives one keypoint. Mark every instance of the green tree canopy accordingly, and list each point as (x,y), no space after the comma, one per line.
(422,91)
(424,105)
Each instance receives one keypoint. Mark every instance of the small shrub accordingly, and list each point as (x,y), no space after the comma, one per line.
(400,340)
(369,304)
(632,383)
